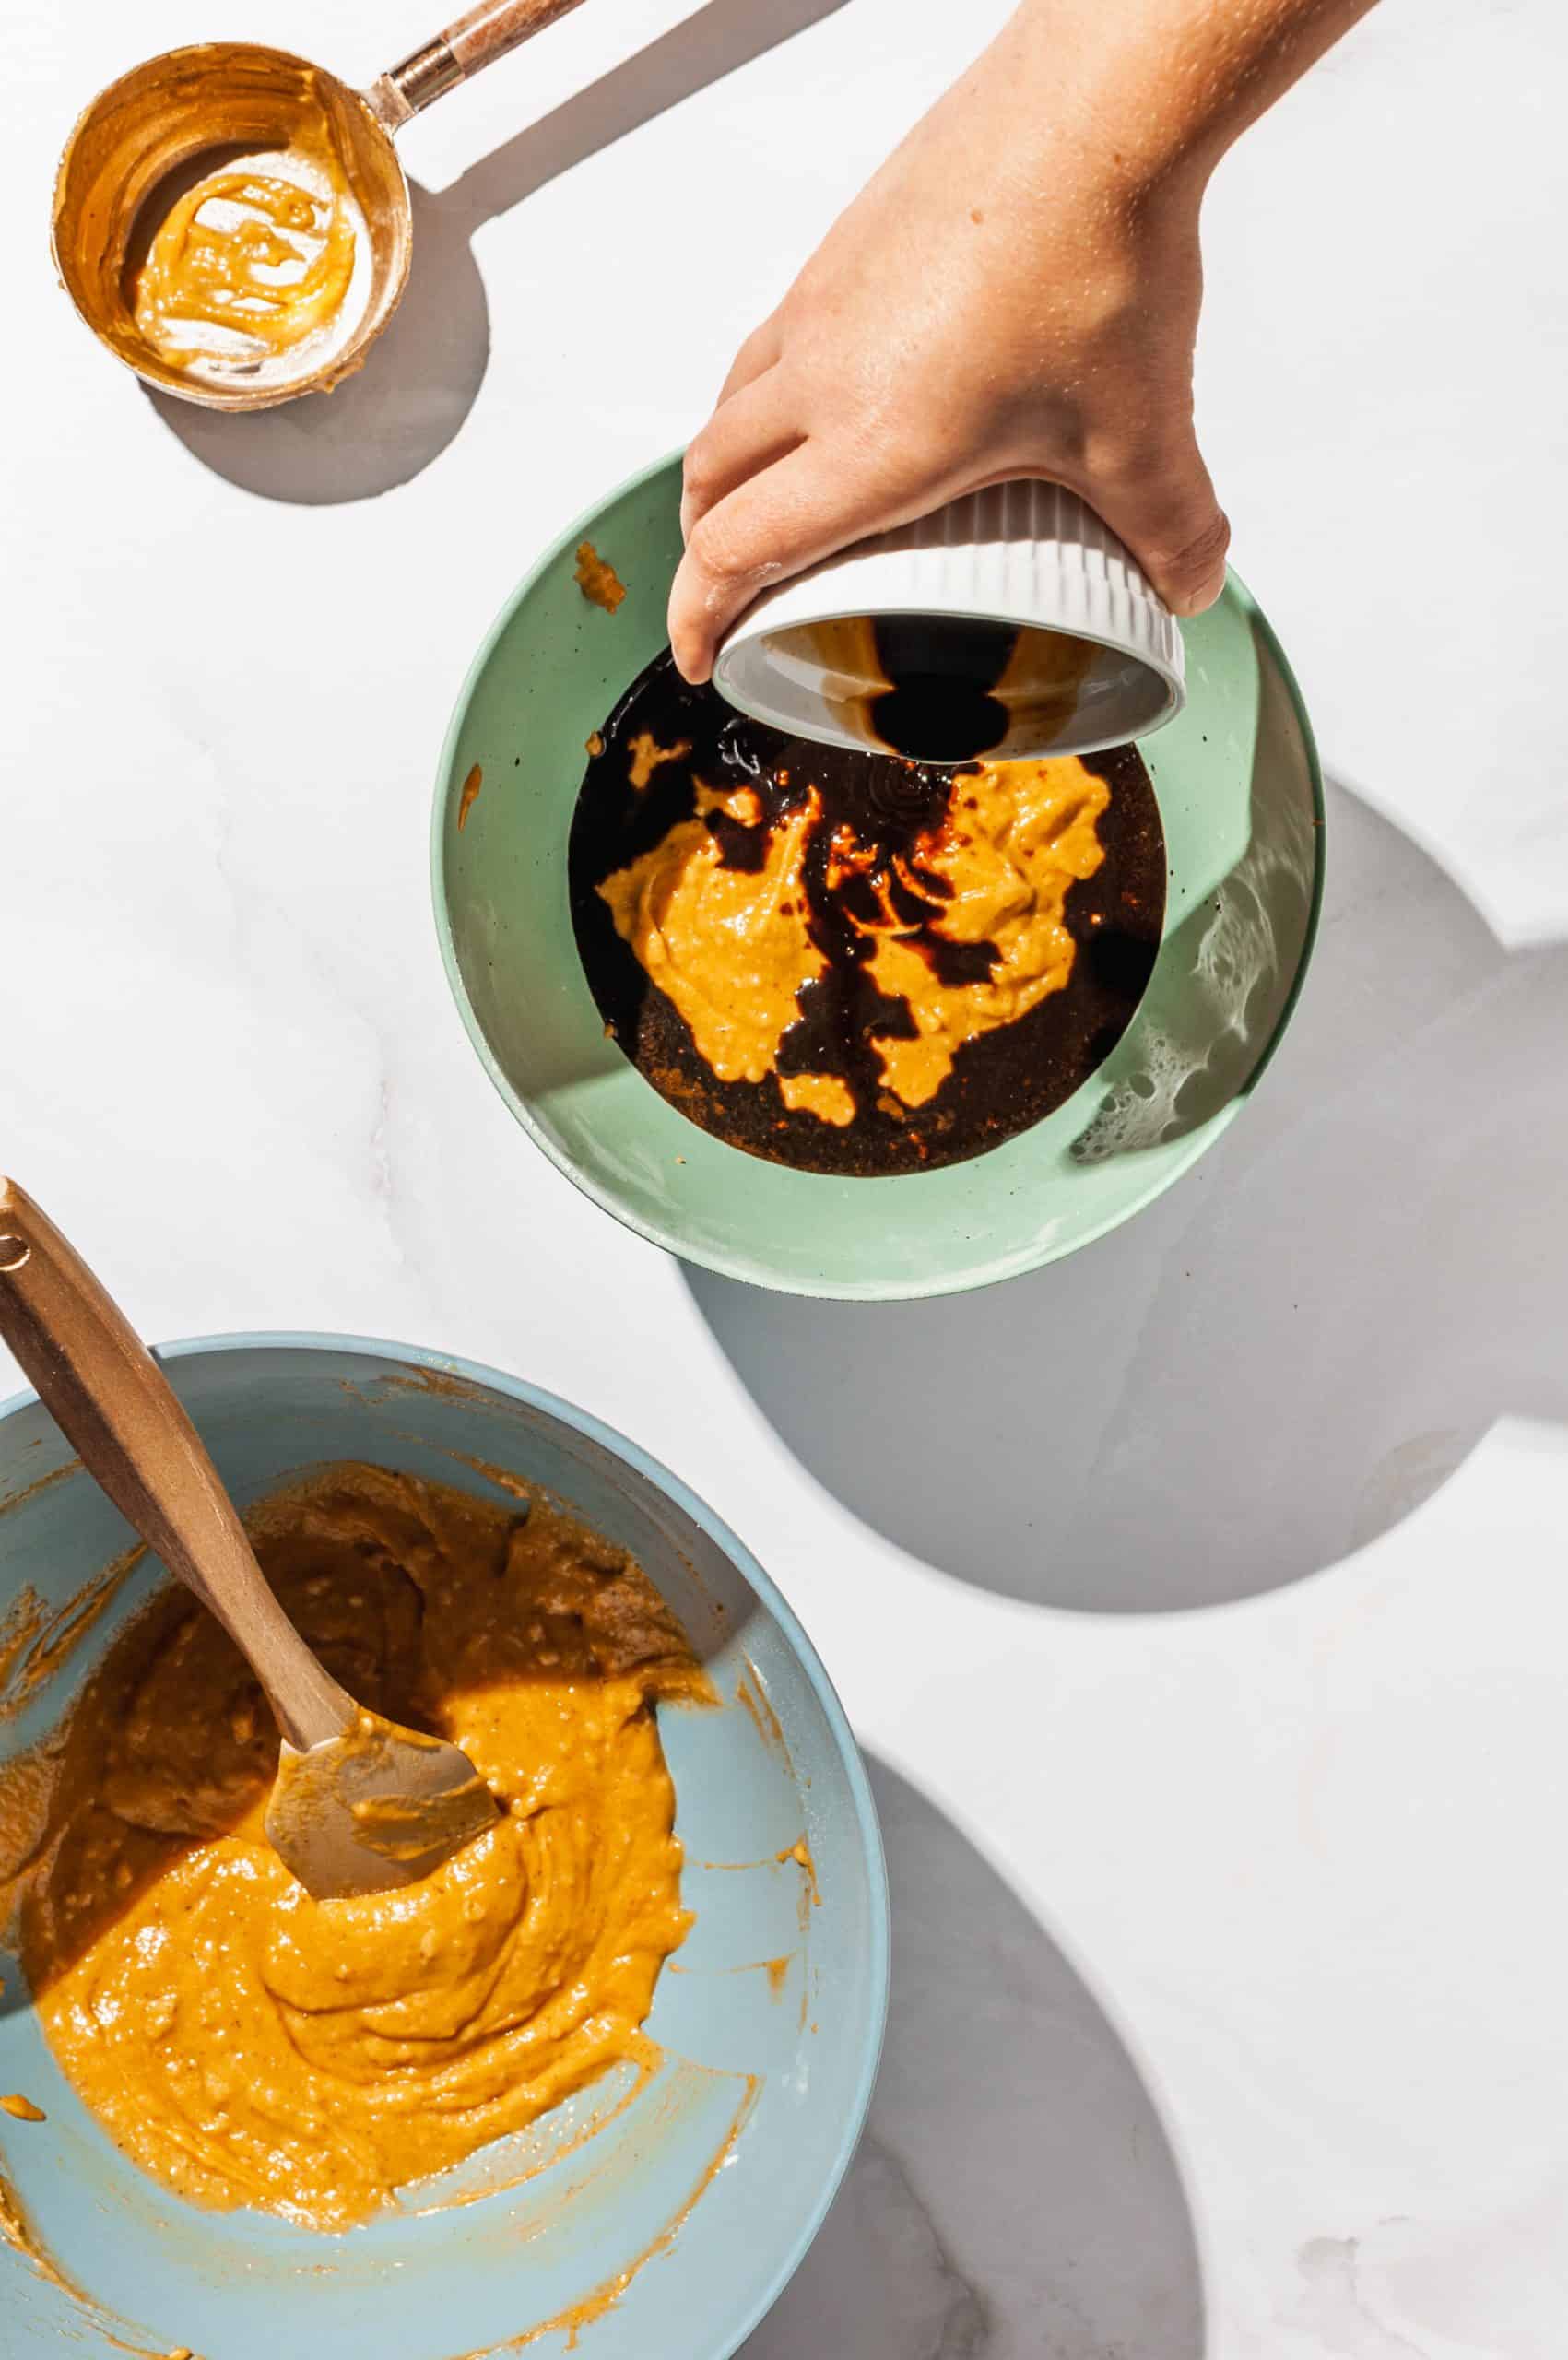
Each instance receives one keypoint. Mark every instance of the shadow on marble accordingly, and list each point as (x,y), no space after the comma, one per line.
(1015,2193)
(381,428)
(1282,1357)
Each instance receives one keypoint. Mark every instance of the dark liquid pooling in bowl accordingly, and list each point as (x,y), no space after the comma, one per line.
(839,874)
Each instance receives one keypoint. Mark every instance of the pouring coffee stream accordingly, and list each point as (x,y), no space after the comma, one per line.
(360,1805)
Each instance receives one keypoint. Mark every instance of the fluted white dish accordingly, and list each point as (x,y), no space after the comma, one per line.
(1025,553)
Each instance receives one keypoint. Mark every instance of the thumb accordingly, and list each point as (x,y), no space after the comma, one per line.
(1164,509)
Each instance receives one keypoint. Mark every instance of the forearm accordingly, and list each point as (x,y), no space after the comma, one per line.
(1164,86)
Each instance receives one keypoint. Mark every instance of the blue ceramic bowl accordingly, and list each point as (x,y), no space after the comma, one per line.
(710,2186)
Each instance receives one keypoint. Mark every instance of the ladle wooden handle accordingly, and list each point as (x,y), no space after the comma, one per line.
(113,1402)
(470,42)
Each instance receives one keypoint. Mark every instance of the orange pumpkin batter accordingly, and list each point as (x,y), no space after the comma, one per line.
(247,2044)
(733,947)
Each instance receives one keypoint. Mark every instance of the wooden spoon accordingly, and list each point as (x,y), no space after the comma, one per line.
(360,1805)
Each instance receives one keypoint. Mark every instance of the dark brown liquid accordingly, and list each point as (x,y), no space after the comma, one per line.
(1002,1082)
(946,688)
(942,673)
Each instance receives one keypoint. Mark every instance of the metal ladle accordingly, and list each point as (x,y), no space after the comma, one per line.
(360,1805)
(239,96)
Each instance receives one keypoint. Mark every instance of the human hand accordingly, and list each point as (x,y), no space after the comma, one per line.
(1015,293)
(987,307)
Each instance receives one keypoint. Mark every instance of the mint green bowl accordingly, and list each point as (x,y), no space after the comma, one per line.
(1241,797)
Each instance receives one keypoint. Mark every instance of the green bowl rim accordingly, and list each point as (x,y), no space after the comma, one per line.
(736,1266)
(610,1439)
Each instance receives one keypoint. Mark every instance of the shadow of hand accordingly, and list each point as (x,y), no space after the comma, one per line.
(1281,1357)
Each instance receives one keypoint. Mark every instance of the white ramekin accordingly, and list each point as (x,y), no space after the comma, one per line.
(1026,553)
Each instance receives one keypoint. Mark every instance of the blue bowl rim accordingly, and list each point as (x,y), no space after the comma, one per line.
(610,1439)
(735,1265)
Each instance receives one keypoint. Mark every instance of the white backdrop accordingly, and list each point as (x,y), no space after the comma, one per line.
(1210,1702)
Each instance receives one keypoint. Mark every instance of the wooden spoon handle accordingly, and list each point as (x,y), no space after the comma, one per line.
(113,1402)
(471,42)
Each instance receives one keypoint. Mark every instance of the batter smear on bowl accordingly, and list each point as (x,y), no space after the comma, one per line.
(851,962)
(246,2045)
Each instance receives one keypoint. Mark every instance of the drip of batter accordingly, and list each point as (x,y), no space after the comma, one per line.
(247,2044)
(248,249)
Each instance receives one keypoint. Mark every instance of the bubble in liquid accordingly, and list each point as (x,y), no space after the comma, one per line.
(1139,1111)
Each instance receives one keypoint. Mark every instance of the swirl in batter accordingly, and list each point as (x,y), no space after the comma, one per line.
(248,2046)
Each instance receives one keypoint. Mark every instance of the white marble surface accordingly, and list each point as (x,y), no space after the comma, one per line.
(1202,1601)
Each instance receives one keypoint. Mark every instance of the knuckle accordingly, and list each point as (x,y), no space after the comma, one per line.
(759,342)
(699,474)
(1194,564)
(719,548)
(881,454)
(1139,463)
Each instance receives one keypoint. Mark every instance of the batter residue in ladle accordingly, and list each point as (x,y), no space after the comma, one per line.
(263,251)
(247,2044)
(852,962)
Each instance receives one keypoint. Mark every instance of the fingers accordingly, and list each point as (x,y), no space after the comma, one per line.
(1191,578)
(745,433)
(802,508)
(745,540)
(1169,517)
(758,352)
(764,499)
